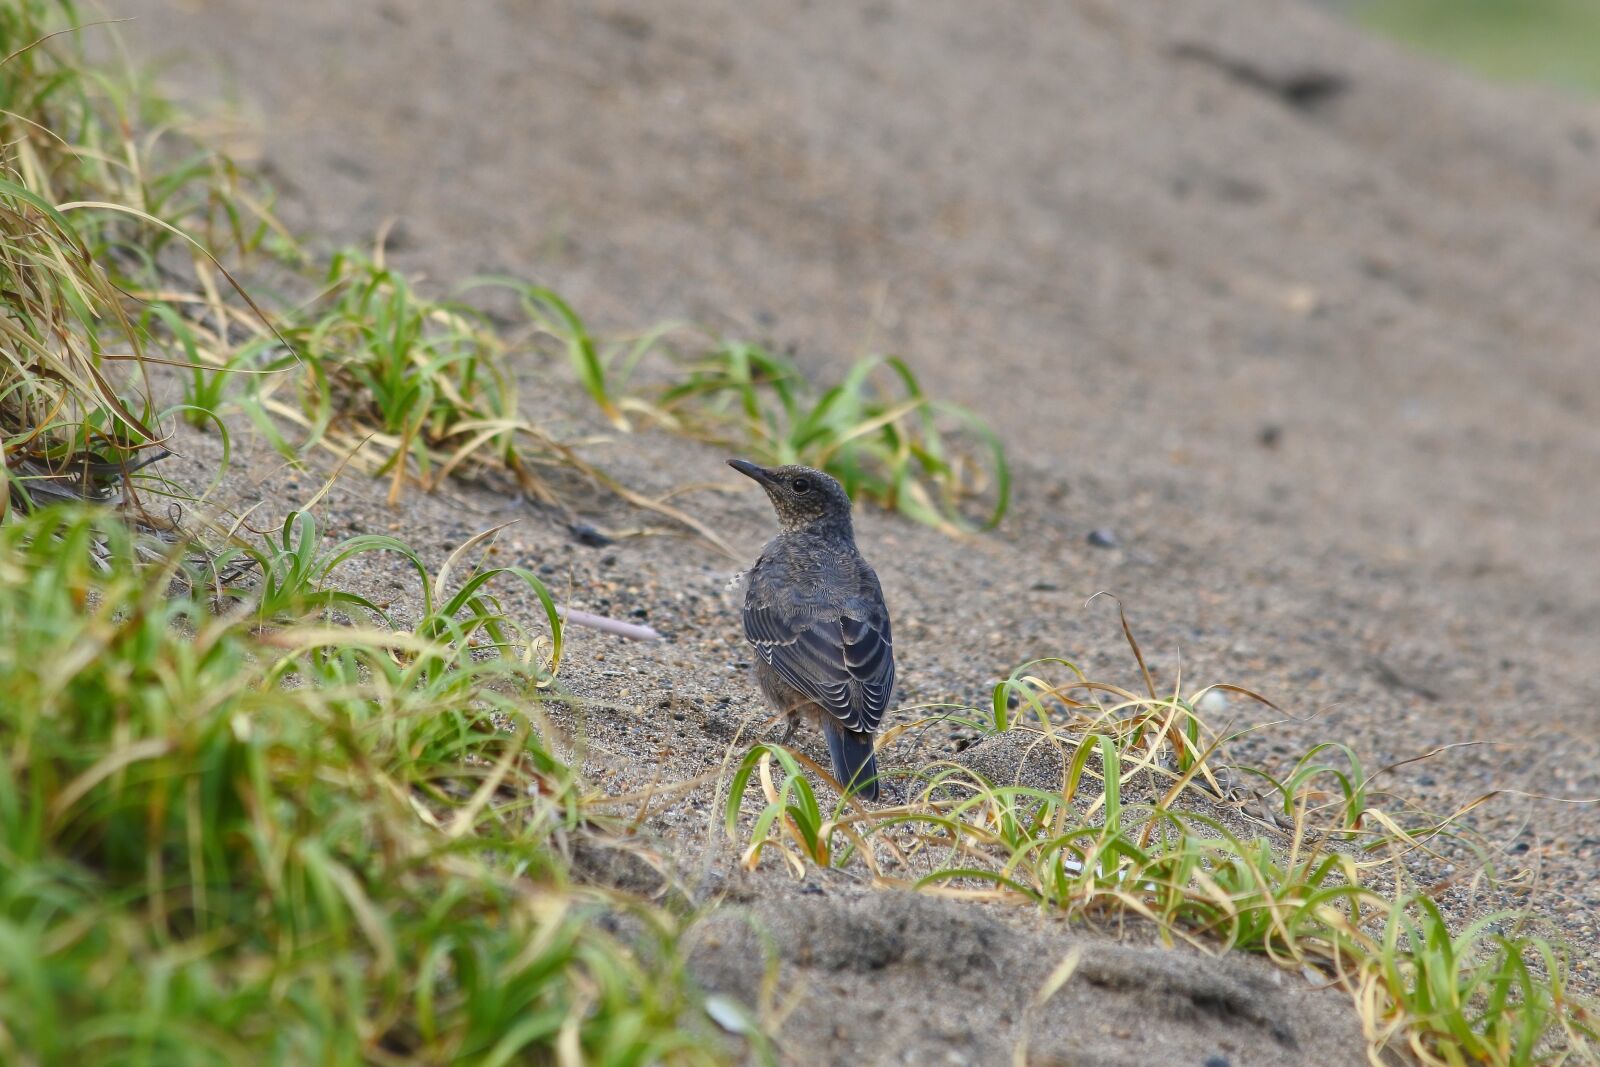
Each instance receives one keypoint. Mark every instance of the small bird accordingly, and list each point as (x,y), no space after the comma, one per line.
(815,614)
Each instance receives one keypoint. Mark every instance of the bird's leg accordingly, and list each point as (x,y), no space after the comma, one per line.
(790,724)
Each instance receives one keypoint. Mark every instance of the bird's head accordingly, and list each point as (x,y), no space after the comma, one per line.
(802,497)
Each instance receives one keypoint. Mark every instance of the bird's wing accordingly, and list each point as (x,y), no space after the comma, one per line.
(843,660)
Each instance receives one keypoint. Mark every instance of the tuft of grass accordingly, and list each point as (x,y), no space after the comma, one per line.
(792,815)
(226,842)
(89,207)
(423,381)
(1475,996)
(129,255)
(1140,827)
(63,419)
(876,430)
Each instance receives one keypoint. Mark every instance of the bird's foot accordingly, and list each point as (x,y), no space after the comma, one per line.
(789,731)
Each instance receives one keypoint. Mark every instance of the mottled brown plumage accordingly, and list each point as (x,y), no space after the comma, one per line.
(814,613)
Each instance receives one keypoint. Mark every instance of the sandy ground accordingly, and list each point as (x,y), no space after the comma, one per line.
(1307,322)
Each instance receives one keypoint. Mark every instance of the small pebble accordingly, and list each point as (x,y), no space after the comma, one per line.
(1218,1061)
(1103,538)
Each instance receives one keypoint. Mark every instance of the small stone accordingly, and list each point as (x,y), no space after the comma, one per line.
(1218,1061)
(1103,538)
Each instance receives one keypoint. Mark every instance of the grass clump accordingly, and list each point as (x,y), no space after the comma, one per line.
(89,207)
(113,221)
(370,360)
(236,833)
(1135,822)
(876,430)
(62,418)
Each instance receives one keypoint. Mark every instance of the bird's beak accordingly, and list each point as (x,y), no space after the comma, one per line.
(750,470)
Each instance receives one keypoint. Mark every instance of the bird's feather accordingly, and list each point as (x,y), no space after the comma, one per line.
(854,762)
(841,657)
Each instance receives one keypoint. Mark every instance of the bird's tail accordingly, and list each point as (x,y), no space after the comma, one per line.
(853,761)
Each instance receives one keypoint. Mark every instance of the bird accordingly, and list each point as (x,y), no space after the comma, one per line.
(815,615)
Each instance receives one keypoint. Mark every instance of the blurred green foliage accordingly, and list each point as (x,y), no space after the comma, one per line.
(1552,41)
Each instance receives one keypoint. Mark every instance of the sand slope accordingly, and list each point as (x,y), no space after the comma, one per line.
(1309,323)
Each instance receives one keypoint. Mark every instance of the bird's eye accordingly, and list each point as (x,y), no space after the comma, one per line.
(801,485)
